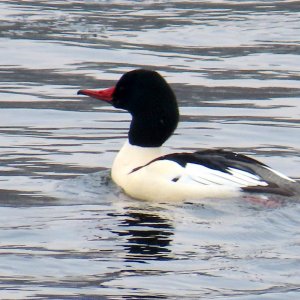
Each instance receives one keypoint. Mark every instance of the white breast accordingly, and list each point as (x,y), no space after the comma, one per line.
(129,158)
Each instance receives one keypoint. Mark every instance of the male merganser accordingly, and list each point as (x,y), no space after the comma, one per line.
(144,172)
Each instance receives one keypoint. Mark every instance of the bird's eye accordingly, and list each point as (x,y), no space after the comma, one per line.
(121,88)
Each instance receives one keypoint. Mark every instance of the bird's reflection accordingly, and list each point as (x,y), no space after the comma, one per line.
(148,235)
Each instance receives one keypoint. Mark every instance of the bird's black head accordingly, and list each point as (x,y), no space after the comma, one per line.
(151,102)
(140,90)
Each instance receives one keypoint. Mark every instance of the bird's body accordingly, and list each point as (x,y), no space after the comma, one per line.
(143,170)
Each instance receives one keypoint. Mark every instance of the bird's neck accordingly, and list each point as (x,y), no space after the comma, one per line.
(151,130)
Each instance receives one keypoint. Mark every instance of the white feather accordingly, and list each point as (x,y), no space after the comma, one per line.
(248,178)
(207,176)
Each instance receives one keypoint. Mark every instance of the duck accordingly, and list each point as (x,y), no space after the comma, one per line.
(145,171)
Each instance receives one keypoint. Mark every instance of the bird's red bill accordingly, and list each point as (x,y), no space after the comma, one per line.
(104,95)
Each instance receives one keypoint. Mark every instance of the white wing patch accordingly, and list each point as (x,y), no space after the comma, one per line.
(206,176)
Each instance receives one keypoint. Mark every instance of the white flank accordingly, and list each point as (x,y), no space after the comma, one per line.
(236,178)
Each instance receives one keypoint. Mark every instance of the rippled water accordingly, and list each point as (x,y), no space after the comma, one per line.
(66,231)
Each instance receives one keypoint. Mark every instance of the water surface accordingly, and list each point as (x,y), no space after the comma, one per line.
(66,231)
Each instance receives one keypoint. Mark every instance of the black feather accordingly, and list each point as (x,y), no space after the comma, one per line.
(218,159)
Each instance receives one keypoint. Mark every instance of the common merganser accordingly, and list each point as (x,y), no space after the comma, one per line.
(144,172)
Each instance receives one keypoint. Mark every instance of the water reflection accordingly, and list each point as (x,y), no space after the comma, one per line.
(147,235)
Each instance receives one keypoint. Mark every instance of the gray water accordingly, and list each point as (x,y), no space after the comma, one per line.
(66,231)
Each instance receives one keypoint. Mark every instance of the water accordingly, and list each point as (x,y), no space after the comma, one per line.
(66,231)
